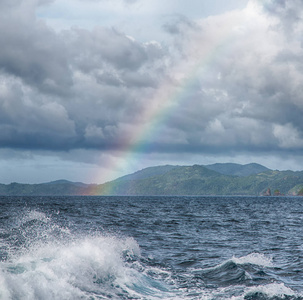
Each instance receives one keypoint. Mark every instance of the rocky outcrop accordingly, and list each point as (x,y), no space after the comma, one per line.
(267,192)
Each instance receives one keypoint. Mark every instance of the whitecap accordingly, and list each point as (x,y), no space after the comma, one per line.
(254,258)
(273,290)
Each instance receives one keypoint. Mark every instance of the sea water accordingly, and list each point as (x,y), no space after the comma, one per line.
(151,248)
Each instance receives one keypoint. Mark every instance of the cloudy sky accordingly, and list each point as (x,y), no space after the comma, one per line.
(94,89)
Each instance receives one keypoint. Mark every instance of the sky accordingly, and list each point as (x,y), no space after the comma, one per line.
(91,90)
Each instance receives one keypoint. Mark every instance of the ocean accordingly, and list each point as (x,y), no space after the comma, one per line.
(151,248)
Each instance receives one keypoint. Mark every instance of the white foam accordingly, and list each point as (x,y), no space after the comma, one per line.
(240,292)
(30,215)
(273,290)
(53,263)
(258,259)
(67,271)
(252,258)
(81,268)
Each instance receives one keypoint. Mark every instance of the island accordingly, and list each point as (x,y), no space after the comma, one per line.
(216,179)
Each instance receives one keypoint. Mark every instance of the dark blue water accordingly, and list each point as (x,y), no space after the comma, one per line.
(151,248)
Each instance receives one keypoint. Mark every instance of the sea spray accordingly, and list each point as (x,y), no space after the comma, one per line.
(53,263)
(97,265)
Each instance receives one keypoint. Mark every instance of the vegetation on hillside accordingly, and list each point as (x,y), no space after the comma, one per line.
(199,180)
(178,180)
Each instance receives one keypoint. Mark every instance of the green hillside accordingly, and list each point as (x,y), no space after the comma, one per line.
(226,179)
(200,180)
(50,189)
(237,169)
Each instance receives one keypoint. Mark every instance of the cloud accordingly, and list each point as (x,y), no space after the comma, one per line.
(57,89)
(253,83)
(289,13)
(107,46)
(27,121)
(232,82)
(32,51)
(126,1)
(178,24)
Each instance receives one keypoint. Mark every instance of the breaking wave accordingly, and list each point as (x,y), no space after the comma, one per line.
(52,263)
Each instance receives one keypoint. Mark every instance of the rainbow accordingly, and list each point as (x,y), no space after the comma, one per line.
(166,102)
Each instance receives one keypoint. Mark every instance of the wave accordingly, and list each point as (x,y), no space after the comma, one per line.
(244,278)
(100,266)
(254,258)
(53,263)
(272,291)
(47,260)
(249,269)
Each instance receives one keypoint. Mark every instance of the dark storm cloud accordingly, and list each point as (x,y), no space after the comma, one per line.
(29,121)
(30,50)
(94,49)
(71,89)
(92,89)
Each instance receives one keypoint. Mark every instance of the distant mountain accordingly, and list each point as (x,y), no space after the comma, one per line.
(237,169)
(64,181)
(216,179)
(60,187)
(201,180)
